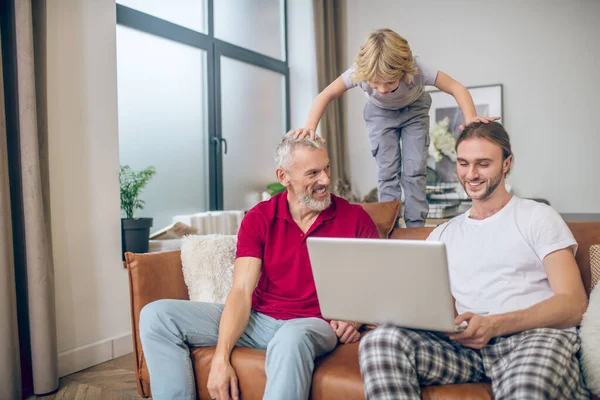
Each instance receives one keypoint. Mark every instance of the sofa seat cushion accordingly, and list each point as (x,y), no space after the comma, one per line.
(464,391)
(249,365)
(336,377)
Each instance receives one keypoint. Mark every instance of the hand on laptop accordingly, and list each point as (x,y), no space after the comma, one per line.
(479,331)
(347,332)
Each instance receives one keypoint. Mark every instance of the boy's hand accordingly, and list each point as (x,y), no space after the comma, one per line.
(476,118)
(304,132)
(347,332)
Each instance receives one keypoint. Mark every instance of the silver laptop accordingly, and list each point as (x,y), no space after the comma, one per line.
(402,282)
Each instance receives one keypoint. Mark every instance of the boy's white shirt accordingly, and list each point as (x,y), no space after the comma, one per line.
(495,264)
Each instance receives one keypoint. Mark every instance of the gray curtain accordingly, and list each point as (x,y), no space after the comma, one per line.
(327,19)
(30,96)
(10,375)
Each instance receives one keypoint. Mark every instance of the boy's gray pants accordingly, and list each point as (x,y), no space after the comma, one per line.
(385,128)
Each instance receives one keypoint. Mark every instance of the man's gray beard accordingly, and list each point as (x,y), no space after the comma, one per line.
(315,205)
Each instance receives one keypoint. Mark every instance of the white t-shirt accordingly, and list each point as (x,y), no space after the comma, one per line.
(495,264)
(404,95)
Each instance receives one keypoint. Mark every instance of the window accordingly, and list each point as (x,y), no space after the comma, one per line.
(203,96)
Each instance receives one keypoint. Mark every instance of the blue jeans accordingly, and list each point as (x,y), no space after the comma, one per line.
(169,327)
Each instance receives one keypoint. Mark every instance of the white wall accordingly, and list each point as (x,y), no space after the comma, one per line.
(92,300)
(546,56)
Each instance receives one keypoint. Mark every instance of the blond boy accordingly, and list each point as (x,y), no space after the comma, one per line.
(397,107)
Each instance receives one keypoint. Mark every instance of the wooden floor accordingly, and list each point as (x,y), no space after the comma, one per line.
(112,380)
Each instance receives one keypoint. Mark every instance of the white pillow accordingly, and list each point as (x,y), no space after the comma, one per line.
(590,342)
(207,262)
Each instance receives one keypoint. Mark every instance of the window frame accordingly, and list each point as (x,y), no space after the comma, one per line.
(215,49)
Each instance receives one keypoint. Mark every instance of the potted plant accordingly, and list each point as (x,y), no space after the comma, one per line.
(135,232)
(274,188)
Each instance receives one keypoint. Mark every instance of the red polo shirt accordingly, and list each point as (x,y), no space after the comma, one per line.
(286,288)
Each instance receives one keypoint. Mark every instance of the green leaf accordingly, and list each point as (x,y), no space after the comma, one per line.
(275,188)
(132,183)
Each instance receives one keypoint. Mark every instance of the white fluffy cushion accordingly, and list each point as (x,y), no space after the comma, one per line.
(590,329)
(207,262)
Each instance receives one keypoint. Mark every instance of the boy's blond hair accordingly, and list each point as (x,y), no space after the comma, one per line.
(385,55)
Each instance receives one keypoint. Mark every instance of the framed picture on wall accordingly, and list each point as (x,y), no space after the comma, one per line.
(444,110)
(487,99)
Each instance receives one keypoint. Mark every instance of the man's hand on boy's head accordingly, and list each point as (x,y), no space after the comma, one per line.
(347,332)
(477,118)
(479,331)
(304,132)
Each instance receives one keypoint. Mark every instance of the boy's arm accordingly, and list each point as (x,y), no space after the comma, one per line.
(331,92)
(449,85)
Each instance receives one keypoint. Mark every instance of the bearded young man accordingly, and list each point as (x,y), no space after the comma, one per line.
(273,302)
(515,282)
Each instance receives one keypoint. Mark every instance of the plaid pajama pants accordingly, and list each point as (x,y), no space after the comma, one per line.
(535,364)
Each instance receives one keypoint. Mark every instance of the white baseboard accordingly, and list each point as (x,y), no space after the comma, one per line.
(92,354)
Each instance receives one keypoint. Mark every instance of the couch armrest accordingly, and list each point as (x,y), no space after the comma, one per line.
(152,276)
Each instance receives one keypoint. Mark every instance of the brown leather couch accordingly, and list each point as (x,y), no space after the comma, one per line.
(337,375)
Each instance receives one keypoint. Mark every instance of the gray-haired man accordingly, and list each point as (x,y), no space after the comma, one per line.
(273,303)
